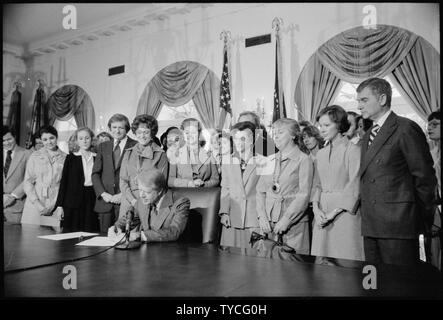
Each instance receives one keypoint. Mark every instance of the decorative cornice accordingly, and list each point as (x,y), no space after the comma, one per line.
(108,28)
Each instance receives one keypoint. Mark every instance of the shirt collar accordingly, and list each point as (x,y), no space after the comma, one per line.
(12,151)
(122,141)
(382,120)
(92,154)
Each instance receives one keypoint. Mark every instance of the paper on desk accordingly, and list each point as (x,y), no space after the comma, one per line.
(70,235)
(101,241)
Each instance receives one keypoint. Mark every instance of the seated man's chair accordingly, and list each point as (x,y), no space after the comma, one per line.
(203,223)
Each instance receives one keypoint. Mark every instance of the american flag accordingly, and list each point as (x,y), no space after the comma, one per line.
(279,98)
(225,92)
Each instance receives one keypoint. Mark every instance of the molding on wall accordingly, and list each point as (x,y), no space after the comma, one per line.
(105,29)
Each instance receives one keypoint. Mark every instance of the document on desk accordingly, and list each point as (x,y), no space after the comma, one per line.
(70,235)
(101,241)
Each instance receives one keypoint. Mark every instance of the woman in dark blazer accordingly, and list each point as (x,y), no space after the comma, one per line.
(76,194)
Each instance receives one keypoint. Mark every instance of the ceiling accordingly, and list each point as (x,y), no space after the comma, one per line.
(27,23)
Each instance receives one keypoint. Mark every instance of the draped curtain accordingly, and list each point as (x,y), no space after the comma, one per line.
(69,101)
(360,53)
(177,84)
(40,116)
(316,88)
(418,78)
(14,114)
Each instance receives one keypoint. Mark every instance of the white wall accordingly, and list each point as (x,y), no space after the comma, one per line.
(195,36)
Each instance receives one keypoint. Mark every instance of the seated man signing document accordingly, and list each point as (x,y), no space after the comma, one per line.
(157,215)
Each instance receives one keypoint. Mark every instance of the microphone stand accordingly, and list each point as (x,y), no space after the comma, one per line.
(128,245)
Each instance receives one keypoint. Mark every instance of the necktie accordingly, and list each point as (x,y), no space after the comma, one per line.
(7,162)
(116,153)
(373,133)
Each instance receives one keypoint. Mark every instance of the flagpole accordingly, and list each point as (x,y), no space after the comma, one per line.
(277,23)
(225,87)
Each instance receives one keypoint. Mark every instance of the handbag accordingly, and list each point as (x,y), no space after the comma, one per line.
(269,248)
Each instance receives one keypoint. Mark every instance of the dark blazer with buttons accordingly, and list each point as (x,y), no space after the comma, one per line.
(397,180)
(70,194)
(106,176)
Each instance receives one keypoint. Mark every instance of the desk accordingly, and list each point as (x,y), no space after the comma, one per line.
(192,270)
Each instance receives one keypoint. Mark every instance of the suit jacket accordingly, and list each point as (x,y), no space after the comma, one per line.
(165,225)
(106,176)
(295,182)
(13,183)
(70,194)
(181,169)
(238,193)
(397,181)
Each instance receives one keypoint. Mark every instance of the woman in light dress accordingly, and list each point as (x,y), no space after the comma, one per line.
(337,228)
(42,181)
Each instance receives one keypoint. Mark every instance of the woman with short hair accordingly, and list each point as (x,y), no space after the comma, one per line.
(284,187)
(76,197)
(145,155)
(238,213)
(42,181)
(195,166)
(337,229)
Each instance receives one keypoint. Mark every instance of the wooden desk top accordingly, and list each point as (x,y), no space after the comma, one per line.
(193,270)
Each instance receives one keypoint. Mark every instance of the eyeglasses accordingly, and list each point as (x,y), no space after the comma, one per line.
(139,132)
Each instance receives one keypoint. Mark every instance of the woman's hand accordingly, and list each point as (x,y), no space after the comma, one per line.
(191,184)
(330,216)
(225,220)
(42,209)
(59,213)
(199,182)
(264,225)
(282,225)
(320,217)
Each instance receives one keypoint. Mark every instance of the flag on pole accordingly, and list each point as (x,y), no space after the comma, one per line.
(279,99)
(225,92)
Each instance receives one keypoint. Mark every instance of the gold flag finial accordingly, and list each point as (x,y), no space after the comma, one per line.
(225,35)
(277,23)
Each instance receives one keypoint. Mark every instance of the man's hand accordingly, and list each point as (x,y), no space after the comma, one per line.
(107,197)
(225,220)
(113,231)
(8,200)
(282,225)
(116,198)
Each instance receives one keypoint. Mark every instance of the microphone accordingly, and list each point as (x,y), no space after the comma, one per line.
(127,245)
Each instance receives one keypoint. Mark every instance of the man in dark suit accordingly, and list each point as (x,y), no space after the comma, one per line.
(14,166)
(397,179)
(158,215)
(106,171)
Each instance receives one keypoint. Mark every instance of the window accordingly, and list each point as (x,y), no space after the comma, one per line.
(173,116)
(347,98)
(65,129)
